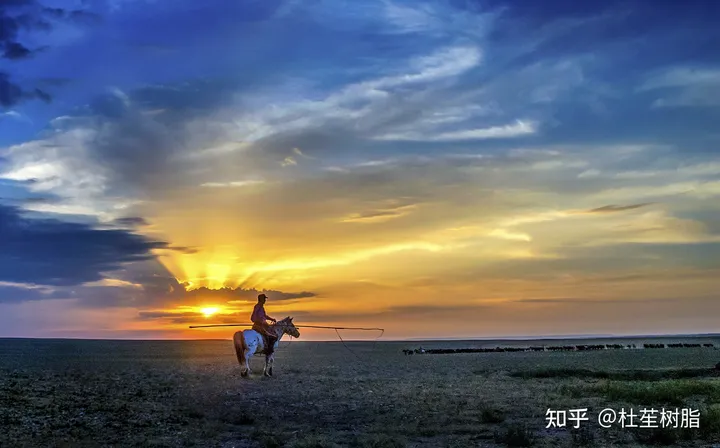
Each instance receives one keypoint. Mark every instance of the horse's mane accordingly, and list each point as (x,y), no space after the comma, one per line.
(286,326)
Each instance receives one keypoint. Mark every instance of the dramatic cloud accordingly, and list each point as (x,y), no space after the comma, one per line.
(390,157)
(46,251)
(27,16)
(12,93)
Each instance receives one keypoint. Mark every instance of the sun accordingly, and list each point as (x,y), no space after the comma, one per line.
(209,311)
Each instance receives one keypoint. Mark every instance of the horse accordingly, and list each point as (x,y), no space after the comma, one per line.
(249,342)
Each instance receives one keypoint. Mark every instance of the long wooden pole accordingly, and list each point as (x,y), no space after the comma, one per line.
(298,326)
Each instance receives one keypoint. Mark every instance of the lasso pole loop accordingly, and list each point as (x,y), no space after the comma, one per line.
(381,330)
(297,326)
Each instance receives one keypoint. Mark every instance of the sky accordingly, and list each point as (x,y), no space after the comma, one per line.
(438,169)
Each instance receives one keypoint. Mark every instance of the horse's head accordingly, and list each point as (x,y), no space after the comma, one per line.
(288,327)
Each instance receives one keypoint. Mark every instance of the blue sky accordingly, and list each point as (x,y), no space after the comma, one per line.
(510,155)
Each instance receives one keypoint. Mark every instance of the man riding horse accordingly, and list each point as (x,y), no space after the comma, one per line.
(259,319)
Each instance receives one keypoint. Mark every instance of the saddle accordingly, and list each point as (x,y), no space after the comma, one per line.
(268,340)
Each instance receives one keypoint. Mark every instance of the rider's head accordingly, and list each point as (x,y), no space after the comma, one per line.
(262,298)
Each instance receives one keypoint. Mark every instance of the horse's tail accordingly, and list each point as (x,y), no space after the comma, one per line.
(240,346)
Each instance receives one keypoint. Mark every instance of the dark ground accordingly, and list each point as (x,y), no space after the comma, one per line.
(72,393)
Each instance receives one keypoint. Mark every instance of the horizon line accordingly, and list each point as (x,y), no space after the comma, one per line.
(483,338)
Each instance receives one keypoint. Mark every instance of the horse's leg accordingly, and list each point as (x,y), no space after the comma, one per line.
(246,370)
(240,351)
(265,367)
(268,364)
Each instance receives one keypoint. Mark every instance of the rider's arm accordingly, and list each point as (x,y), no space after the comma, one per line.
(263,315)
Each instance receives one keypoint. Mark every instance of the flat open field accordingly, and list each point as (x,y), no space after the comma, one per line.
(189,393)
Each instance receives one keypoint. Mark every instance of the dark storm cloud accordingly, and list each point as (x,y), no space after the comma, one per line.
(27,15)
(14,50)
(53,252)
(19,16)
(12,93)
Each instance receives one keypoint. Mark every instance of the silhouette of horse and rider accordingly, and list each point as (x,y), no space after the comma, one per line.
(262,338)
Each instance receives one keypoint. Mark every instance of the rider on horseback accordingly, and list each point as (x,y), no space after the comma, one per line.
(259,320)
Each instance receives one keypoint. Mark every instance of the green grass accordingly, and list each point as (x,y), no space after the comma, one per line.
(662,436)
(266,439)
(314,441)
(491,415)
(620,375)
(516,435)
(710,423)
(379,441)
(669,392)
(238,418)
(709,431)
(190,394)
(582,436)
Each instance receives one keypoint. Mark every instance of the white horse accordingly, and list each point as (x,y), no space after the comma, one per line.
(249,342)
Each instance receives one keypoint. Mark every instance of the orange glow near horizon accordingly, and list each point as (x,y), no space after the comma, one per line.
(508,275)
(207,312)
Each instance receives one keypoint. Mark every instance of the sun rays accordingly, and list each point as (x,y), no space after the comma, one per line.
(209,311)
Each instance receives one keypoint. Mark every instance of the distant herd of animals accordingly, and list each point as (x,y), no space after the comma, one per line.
(559,348)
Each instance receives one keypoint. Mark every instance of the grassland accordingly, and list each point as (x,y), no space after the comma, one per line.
(190,393)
